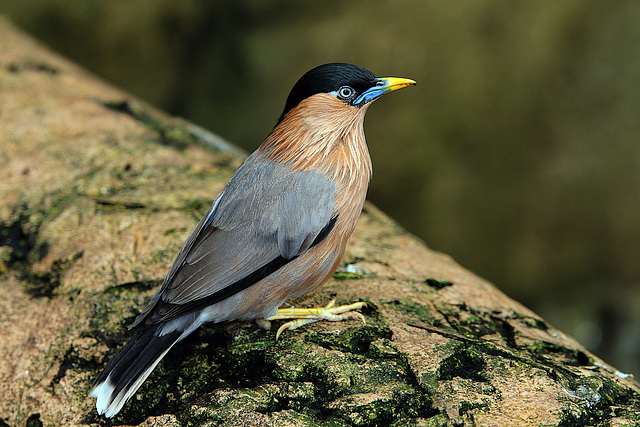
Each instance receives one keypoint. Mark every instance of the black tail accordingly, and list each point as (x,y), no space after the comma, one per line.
(125,374)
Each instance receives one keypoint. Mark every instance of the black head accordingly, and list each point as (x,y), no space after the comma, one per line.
(331,78)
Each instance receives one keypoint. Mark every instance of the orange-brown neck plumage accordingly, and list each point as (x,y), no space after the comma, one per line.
(325,134)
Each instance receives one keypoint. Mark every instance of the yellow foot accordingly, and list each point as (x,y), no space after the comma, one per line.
(304,316)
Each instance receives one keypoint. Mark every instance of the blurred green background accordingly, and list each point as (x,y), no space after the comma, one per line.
(517,153)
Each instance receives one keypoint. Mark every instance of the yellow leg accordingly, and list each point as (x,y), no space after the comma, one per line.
(304,316)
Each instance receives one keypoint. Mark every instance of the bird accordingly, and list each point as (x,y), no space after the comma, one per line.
(277,230)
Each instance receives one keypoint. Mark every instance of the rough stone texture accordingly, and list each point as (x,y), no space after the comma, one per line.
(97,193)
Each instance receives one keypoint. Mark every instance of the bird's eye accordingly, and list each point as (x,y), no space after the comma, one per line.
(380,83)
(346,92)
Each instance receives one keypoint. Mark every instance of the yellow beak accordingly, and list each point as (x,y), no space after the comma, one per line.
(395,83)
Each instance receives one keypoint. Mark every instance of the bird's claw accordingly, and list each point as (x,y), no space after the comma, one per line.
(304,316)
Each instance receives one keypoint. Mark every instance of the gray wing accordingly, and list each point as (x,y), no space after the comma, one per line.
(264,217)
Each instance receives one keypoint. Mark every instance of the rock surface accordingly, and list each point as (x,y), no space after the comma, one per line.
(98,191)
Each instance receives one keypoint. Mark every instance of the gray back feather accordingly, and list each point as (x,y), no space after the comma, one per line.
(293,207)
(265,211)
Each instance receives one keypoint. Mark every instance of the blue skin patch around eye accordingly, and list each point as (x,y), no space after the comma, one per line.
(381,87)
(371,94)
